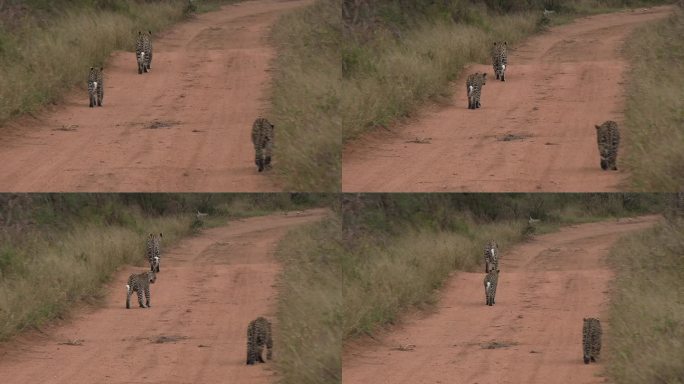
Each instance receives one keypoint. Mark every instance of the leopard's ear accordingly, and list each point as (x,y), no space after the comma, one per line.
(597,126)
(584,319)
(505,42)
(494,43)
(139,33)
(160,234)
(91,68)
(484,75)
(101,68)
(150,32)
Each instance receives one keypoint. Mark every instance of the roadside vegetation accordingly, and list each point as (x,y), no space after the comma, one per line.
(305,97)
(400,55)
(655,106)
(57,250)
(310,304)
(644,341)
(400,248)
(46,47)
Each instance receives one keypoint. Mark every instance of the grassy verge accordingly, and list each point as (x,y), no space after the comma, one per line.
(655,106)
(309,307)
(644,343)
(400,248)
(397,64)
(305,95)
(51,49)
(56,250)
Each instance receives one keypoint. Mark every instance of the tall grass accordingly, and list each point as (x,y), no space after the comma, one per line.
(310,305)
(59,249)
(645,342)
(42,278)
(382,280)
(655,106)
(43,57)
(389,79)
(399,248)
(409,52)
(305,95)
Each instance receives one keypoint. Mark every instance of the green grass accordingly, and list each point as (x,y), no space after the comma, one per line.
(310,305)
(645,341)
(412,56)
(305,96)
(655,106)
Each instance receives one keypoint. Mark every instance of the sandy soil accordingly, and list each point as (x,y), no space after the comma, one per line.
(209,288)
(545,288)
(535,132)
(185,126)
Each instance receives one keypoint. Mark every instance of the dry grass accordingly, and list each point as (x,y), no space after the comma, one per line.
(310,305)
(49,275)
(655,106)
(306,91)
(390,79)
(41,60)
(645,343)
(381,280)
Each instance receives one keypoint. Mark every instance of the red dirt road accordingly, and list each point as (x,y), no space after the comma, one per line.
(545,289)
(209,288)
(558,86)
(185,126)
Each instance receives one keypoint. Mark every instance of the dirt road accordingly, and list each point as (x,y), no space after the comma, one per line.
(535,132)
(209,288)
(545,289)
(185,126)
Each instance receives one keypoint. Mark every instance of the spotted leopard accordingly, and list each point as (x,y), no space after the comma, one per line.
(591,339)
(140,283)
(143,51)
(258,336)
(474,85)
(500,59)
(608,138)
(96,86)
(491,281)
(153,251)
(262,138)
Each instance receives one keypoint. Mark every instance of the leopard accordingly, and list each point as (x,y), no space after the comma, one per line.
(140,283)
(608,138)
(96,86)
(258,336)
(262,138)
(143,51)
(591,339)
(500,59)
(153,251)
(491,256)
(491,281)
(474,85)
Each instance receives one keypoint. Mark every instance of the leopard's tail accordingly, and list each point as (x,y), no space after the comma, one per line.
(128,289)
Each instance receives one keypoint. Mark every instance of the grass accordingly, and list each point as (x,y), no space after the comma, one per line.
(43,278)
(390,74)
(384,279)
(645,341)
(59,249)
(401,248)
(306,91)
(42,57)
(309,305)
(655,106)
